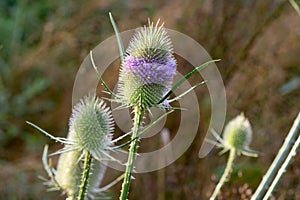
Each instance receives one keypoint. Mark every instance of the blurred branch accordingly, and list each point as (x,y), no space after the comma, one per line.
(245,52)
(60,36)
(272,17)
(227,17)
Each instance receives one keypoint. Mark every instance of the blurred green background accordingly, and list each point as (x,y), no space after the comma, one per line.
(42,44)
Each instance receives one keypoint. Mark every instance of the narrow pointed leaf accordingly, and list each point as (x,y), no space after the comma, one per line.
(99,76)
(187,77)
(120,43)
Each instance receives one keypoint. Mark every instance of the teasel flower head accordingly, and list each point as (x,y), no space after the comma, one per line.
(90,130)
(148,69)
(91,126)
(236,136)
(238,133)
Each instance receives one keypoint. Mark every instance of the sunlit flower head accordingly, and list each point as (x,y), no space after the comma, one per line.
(238,133)
(91,124)
(149,67)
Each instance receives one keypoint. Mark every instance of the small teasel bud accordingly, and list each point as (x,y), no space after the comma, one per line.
(236,138)
(92,125)
(238,133)
(148,69)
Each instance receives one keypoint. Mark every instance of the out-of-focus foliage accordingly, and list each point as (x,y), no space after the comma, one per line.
(21,23)
(15,107)
(19,31)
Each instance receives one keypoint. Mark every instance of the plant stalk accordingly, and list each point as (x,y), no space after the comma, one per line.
(226,173)
(292,154)
(85,176)
(278,161)
(137,123)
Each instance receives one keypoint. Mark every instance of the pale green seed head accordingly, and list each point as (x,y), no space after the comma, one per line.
(90,130)
(238,133)
(92,125)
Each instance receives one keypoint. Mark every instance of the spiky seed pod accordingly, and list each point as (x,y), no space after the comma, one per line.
(148,69)
(92,125)
(238,133)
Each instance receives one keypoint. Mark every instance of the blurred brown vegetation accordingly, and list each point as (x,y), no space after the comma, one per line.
(258,42)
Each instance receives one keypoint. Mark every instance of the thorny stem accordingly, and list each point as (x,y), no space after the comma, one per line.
(138,119)
(279,160)
(292,154)
(226,173)
(85,176)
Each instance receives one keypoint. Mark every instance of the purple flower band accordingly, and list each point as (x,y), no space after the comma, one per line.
(150,71)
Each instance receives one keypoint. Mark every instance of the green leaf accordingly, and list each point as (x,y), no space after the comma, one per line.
(295,5)
(187,77)
(120,43)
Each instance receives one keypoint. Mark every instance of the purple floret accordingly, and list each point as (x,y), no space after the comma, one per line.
(151,71)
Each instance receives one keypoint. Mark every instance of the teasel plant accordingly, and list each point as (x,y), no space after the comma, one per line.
(89,139)
(236,139)
(145,81)
(280,163)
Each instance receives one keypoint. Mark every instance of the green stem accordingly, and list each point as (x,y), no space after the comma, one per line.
(292,154)
(225,175)
(85,176)
(137,123)
(278,161)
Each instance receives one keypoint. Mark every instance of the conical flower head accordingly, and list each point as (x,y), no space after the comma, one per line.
(91,124)
(90,130)
(149,67)
(238,133)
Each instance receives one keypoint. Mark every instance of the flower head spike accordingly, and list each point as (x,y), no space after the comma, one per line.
(91,126)
(90,133)
(236,138)
(238,133)
(148,69)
